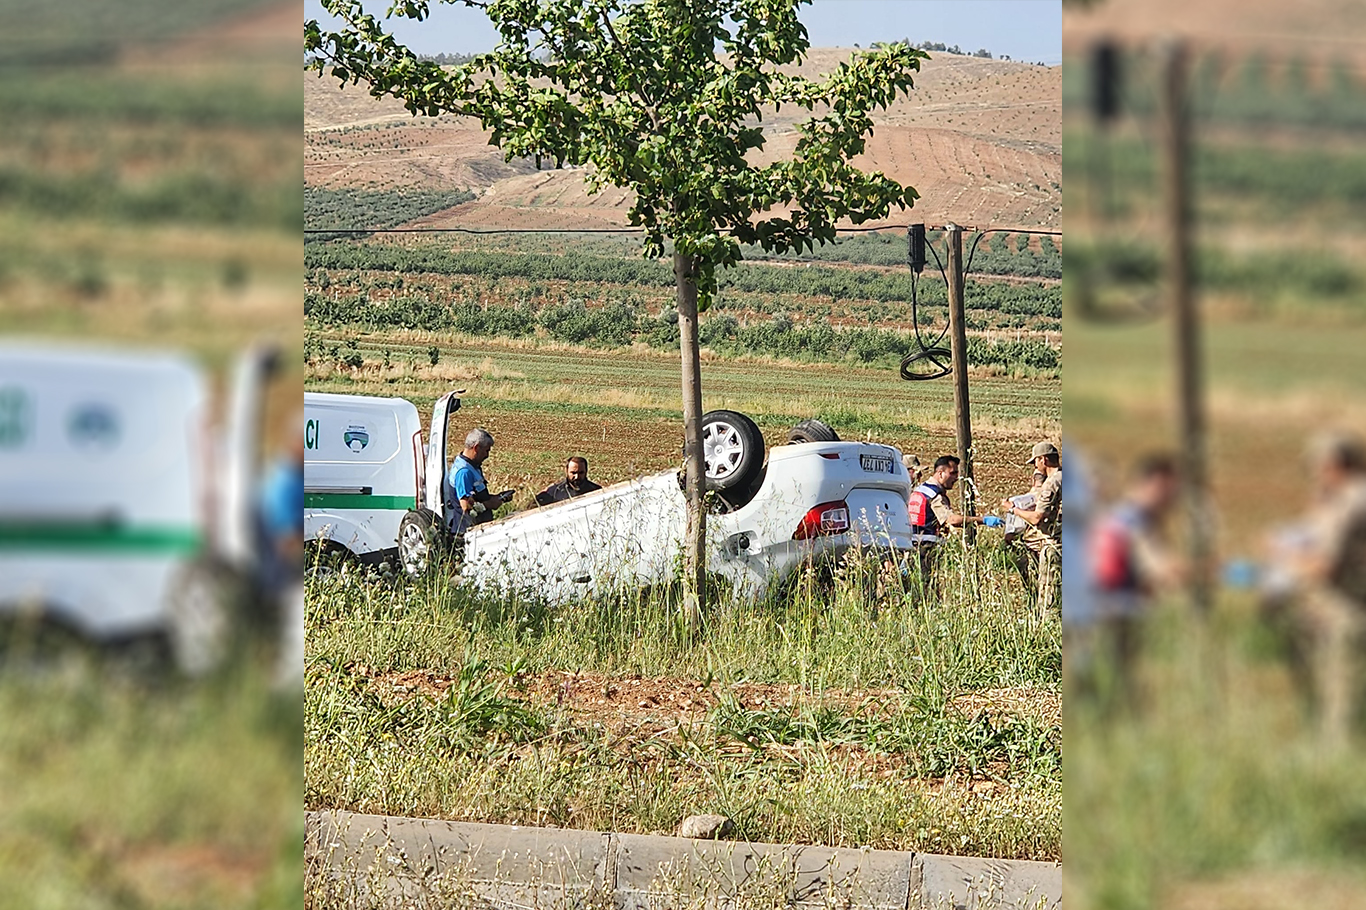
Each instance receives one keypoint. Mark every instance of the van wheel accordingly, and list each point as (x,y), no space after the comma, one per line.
(200,617)
(733,450)
(417,542)
(812,430)
(325,559)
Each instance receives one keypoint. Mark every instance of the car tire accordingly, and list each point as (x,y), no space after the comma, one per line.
(419,537)
(733,450)
(812,430)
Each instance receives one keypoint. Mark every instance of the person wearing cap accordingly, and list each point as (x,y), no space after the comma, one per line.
(1327,564)
(1042,537)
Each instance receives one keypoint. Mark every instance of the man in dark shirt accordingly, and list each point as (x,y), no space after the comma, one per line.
(575,483)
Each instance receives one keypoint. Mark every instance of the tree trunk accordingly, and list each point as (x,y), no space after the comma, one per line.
(695,543)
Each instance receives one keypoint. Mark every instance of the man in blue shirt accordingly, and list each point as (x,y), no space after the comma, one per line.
(469,501)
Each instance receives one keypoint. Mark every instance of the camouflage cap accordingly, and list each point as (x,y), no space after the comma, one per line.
(1042,450)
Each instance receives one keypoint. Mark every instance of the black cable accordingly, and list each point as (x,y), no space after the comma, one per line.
(935,353)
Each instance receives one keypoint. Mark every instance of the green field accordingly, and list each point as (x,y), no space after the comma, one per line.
(852,713)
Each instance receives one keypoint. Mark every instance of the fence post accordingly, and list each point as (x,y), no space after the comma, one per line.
(958,340)
(1185,321)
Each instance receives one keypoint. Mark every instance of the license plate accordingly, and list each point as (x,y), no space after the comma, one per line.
(878,464)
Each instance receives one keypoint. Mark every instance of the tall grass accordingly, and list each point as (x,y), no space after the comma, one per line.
(123,793)
(875,748)
(1215,772)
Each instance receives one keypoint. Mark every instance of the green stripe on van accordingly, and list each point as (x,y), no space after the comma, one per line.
(22,535)
(362,501)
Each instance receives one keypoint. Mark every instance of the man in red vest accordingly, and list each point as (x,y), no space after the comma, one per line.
(932,515)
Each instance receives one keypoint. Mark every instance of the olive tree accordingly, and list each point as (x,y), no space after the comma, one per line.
(665,98)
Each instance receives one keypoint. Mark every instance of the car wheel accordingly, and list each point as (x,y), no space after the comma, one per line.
(417,542)
(733,450)
(812,430)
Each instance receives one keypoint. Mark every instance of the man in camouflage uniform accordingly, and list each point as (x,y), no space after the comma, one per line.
(1326,561)
(1043,536)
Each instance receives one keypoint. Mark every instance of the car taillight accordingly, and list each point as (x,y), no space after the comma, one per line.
(826,518)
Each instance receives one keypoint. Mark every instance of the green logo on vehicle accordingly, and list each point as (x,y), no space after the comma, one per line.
(16,416)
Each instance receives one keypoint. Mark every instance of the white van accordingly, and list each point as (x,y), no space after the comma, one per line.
(101,484)
(122,508)
(363,471)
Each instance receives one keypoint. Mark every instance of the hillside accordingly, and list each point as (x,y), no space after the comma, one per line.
(979,139)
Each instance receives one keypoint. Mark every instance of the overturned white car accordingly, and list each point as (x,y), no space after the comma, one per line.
(813,499)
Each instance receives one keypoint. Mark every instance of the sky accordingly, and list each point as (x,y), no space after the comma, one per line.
(1026,30)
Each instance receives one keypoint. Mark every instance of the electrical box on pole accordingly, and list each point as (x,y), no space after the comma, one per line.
(915,251)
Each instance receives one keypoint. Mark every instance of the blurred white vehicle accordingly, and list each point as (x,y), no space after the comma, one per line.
(363,465)
(124,514)
(811,501)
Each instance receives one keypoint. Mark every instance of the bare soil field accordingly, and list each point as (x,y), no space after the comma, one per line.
(979,139)
(1313,26)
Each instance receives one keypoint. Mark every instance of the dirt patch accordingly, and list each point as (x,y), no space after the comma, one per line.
(636,706)
(1311,28)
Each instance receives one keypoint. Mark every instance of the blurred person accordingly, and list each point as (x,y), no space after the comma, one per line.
(1130,560)
(1318,569)
(280,511)
(575,483)
(1079,615)
(470,502)
(1037,554)
(280,520)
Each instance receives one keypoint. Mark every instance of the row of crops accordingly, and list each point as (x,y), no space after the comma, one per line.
(836,284)
(618,324)
(328,211)
(1256,89)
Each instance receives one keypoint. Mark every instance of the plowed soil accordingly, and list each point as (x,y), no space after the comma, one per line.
(979,139)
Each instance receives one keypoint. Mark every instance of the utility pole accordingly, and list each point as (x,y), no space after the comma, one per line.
(695,544)
(958,340)
(1185,321)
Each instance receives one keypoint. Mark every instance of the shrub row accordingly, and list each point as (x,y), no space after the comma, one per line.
(617,324)
(810,280)
(348,209)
